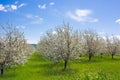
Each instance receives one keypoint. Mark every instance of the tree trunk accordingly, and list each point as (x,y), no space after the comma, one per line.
(2,71)
(90,56)
(2,68)
(65,64)
(112,56)
(80,55)
(101,54)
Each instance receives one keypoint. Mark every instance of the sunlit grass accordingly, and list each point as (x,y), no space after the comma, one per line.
(38,68)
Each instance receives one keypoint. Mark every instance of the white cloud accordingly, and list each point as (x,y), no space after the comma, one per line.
(41,33)
(21,27)
(2,8)
(42,6)
(16,2)
(82,15)
(118,21)
(14,7)
(29,16)
(21,5)
(34,19)
(51,3)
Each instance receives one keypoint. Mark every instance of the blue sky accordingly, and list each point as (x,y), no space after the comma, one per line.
(35,17)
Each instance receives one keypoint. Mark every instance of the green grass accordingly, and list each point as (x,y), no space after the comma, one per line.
(38,68)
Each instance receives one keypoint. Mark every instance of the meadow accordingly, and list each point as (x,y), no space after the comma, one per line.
(40,68)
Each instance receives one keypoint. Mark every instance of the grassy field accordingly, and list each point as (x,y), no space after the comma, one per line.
(38,68)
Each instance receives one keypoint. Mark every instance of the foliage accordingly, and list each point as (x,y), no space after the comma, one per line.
(15,49)
(113,45)
(60,46)
(91,42)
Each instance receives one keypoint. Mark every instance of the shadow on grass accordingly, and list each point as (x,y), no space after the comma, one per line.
(60,72)
(46,65)
(8,75)
(115,59)
(96,59)
(86,61)
(54,69)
